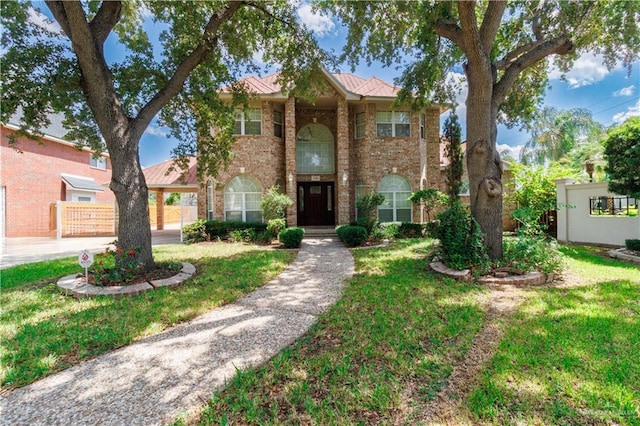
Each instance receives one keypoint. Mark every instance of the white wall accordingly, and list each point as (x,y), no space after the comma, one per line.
(575,224)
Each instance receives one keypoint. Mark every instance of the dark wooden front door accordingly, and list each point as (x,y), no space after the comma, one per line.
(316,204)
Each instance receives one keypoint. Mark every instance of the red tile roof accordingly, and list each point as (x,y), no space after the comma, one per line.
(159,175)
(360,86)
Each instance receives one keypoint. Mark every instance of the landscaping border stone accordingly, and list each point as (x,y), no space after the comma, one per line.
(75,285)
(530,278)
(620,254)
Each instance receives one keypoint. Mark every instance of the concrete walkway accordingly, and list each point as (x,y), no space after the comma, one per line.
(152,381)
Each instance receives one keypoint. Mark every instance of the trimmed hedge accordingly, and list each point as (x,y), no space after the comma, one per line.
(291,237)
(352,236)
(633,245)
(207,230)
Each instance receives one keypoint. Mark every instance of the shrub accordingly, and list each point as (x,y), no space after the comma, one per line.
(411,230)
(220,230)
(388,230)
(633,245)
(274,226)
(528,253)
(274,204)
(352,236)
(243,235)
(461,241)
(291,237)
(195,232)
(367,205)
(432,199)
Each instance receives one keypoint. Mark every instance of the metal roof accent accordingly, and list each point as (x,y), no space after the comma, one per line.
(81,183)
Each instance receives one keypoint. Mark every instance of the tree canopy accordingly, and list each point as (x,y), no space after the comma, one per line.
(622,153)
(502,47)
(171,61)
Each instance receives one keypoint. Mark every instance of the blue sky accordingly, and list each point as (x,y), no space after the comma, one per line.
(611,95)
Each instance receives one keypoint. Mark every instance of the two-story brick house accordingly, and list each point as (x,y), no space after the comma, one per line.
(34,175)
(352,140)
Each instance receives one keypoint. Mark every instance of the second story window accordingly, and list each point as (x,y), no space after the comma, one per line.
(422,126)
(97,163)
(360,125)
(248,122)
(395,124)
(277,124)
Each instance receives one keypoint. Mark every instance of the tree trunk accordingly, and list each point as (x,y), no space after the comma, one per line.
(130,189)
(483,160)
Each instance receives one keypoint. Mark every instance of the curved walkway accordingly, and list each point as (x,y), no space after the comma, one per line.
(154,380)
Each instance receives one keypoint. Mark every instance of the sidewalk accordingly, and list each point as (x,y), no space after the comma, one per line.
(154,380)
(16,251)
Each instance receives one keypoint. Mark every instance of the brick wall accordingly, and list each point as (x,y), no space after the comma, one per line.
(366,160)
(32,181)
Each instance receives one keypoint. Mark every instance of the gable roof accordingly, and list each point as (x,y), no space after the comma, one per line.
(159,176)
(350,85)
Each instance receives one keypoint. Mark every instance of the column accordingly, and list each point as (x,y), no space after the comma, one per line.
(290,171)
(342,167)
(160,209)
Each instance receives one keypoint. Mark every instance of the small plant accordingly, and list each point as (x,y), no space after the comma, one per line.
(367,204)
(243,235)
(461,241)
(432,199)
(274,204)
(291,237)
(116,266)
(633,245)
(352,236)
(195,232)
(528,253)
(274,226)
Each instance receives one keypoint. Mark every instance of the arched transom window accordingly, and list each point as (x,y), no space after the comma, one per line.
(314,150)
(242,198)
(396,206)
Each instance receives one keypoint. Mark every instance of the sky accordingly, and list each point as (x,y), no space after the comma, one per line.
(611,95)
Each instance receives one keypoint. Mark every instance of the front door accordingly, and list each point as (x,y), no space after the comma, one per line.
(315,204)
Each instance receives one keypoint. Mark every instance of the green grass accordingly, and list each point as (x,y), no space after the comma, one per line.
(570,355)
(396,327)
(42,331)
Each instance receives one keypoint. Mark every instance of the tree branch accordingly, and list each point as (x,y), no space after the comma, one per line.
(491,24)
(59,14)
(448,28)
(560,45)
(176,82)
(516,53)
(471,43)
(107,17)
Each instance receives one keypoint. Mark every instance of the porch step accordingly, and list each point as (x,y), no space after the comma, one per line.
(319,231)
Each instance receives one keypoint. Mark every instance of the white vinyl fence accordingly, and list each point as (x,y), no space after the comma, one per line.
(589,213)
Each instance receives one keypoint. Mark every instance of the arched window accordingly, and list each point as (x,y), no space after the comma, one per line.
(242,198)
(396,206)
(314,150)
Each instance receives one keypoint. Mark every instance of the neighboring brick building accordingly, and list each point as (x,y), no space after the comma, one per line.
(33,175)
(350,141)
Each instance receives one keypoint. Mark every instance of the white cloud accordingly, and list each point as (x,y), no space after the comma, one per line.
(155,131)
(319,24)
(459,81)
(511,151)
(632,111)
(37,18)
(625,91)
(587,69)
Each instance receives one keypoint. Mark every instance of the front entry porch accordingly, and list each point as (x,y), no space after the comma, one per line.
(315,201)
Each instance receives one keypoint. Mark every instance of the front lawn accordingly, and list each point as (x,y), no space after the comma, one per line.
(42,331)
(570,355)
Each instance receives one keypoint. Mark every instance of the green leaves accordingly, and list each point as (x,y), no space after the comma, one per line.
(622,152)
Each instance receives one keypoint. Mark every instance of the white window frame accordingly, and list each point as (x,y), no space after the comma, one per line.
(396,196)
(277,123)
(249,186)
(210,199)
(99,163)
(394,122)
(360,125)
(244,117)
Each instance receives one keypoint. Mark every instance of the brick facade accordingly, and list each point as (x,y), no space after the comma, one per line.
(30,175)
(361,162)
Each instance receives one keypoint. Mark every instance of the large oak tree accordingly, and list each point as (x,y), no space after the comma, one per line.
(171,60)
(502,47)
